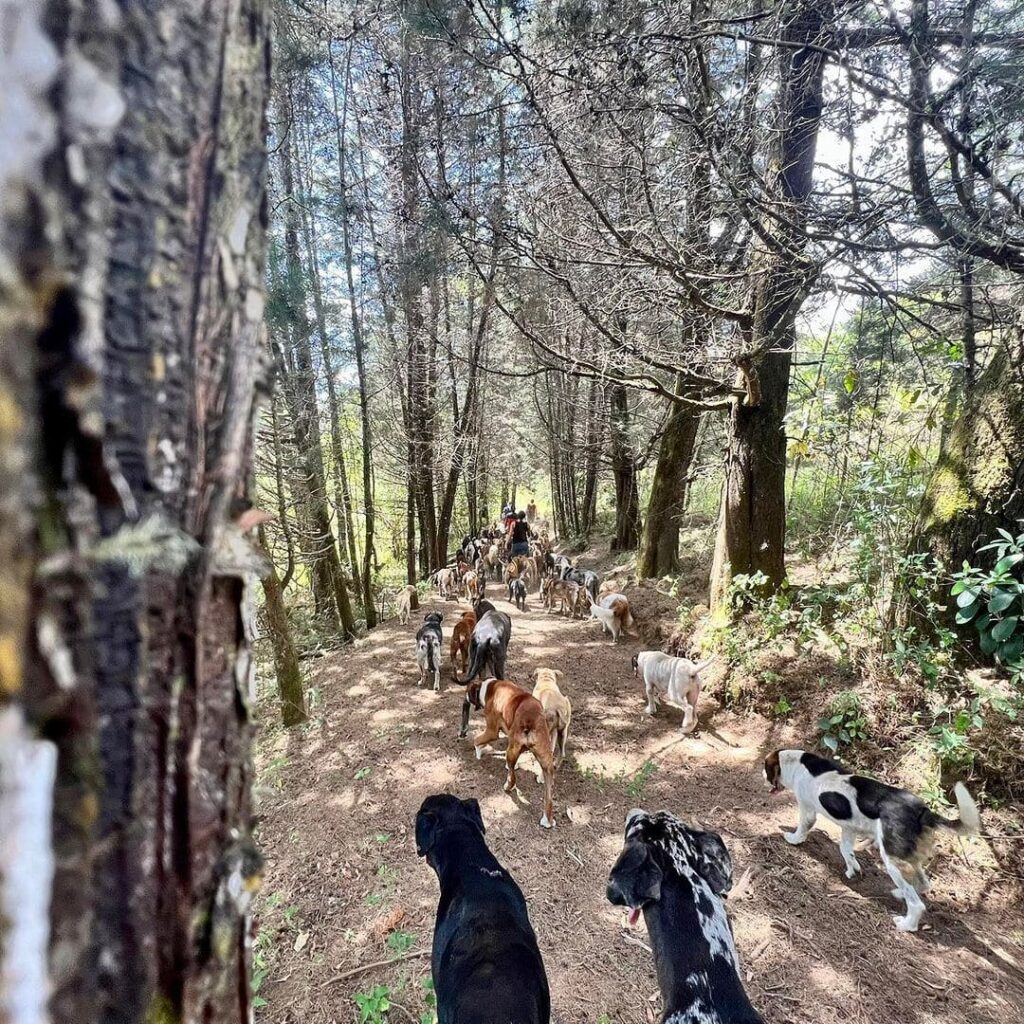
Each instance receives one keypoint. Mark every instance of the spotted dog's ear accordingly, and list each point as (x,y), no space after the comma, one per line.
(471,807)
(713,862)
(635,880)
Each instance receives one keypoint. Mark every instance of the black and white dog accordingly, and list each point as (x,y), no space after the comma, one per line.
(677,876)
(899,823)
(488,644)
(486,963)
(428,648)
(517,593)
(586,578)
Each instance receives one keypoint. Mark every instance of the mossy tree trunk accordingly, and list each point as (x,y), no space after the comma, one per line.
(132,222)
(977,487)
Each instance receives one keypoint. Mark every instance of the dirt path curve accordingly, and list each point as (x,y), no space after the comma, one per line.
(337,808)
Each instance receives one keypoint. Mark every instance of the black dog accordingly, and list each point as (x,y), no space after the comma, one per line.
(517,593)
(677,876)
(485,962)
(481,608)
(488,643)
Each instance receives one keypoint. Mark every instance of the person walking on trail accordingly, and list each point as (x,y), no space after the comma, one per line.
(519,535)
(508,516)
(531,511)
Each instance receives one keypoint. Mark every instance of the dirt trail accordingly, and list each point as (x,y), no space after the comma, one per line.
(338,800)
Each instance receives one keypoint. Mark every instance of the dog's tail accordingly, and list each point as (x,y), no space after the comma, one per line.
(969,821)
(480,655)
(706,663)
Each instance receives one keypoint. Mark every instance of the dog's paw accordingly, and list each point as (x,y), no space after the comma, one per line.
(853,870)
(509,787)
(479,752)
(905,924)
(793,838)
(544,823)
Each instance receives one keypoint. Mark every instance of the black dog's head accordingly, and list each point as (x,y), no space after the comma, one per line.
(441,815)
(658,847)
(434,618)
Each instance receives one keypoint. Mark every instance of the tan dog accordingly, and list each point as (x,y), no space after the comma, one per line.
(516,713)
(472,584)
(557,709)
(459,648)
(403,603)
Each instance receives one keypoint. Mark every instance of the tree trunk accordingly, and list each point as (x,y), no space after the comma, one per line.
(624,470)
(659,548)
(328,574)
(286,660)
(977,487)
(132,240)
(752,525)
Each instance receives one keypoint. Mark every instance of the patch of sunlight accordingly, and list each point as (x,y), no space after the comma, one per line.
(346,800)
(386,715)
(359,690)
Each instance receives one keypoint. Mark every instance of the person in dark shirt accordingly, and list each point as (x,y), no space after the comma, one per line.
(519,535)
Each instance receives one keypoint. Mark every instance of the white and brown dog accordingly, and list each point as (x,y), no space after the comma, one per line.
(613,612)
(557,709)
(675,680)
(899,823)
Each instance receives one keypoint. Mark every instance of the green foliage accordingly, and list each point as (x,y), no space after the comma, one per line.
(844,723)
(373,1006)
(636,785)
(400,942)
(993,601)
(429,1015)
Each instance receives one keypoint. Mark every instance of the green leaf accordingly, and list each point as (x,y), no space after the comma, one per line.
(959,587)
(968,596)
(988,644)
(1004,630)
(258,1002)
(1011,650)
(831,742)
(1000,601)
(1007,563)
(966,614)
(850,381)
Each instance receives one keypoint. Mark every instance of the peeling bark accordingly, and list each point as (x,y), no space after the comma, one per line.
(131,290)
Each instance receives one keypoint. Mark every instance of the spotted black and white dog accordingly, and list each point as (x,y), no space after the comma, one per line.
(899,823)
(677,876)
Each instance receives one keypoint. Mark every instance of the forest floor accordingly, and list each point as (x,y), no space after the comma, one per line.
(344,888)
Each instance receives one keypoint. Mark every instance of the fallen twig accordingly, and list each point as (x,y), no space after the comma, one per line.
(377,963)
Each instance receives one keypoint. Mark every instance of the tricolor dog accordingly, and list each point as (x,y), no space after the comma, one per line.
(428,648)
(677,878)
(675,680)
(511,711)
(557,709)
(485,961)
(899,823)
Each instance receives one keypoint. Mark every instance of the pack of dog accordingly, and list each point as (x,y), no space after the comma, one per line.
(899,824)
(675,680)
(511,711)
(677,877)
(485,961)
(428,648)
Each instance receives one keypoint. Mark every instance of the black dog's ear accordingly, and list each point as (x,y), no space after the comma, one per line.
(426,827)
(635,879)
(713,861)
(472,809)
(426,618)
(440,617)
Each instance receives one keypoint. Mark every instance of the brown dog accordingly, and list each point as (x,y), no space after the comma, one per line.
(557,709)
(459,649)
(516,713)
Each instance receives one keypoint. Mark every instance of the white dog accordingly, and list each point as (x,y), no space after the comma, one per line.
(403,602)
(676,680)
(613,613)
